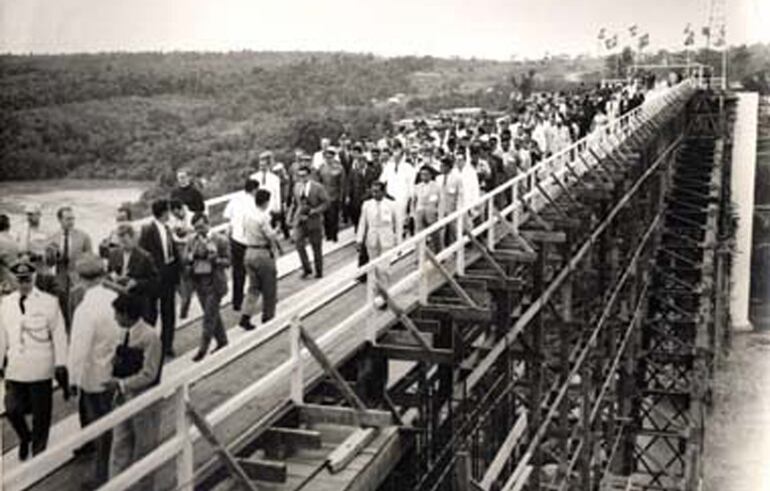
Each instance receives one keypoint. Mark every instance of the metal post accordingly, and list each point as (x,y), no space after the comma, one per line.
(515,201)
(297,385)
(185,476)
(370,290)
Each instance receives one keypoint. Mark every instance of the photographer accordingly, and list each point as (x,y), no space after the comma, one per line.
(136,368)
(206,257)
(132,269)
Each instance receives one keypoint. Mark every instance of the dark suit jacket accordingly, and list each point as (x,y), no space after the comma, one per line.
(149,240)
(311,206)
(141,268)
(218,279)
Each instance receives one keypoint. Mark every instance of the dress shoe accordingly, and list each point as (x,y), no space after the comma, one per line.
(305,275)
(219,347)
(24,450)
(319,275)
(199,356)
(246,324)
(170,354)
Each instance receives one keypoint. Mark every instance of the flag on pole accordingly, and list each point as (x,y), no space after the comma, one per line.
(689,38)
(644,40)
(687,28)
(706,31)
(602,33)
(633,30)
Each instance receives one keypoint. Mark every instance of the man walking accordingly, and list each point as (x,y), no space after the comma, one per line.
(34,344)
(310,202)
(207,255)
(156,239)
(92,349)
(236,211)
(378,231)
(262,248)
(333,178)
(271,182)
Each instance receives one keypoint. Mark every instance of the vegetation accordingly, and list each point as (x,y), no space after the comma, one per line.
(143,115)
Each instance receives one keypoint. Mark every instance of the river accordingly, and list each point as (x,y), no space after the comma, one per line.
(93,201)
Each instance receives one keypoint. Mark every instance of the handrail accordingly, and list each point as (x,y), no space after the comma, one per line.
(178,384)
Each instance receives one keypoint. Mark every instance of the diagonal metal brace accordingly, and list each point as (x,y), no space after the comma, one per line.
(487,255)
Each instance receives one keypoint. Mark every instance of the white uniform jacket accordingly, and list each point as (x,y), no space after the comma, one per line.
(34,342)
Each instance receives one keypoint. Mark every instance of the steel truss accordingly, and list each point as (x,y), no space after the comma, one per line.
(572,356)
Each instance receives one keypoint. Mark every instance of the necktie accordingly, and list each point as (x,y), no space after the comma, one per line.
(169,251)
(22,299)
(66,259)
(264,177)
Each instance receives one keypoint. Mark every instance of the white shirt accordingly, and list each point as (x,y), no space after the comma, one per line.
(238,208)
(95,335)
(398,182)
(318,159)
(164,240)
(34,342)
(271,182)
(471,191)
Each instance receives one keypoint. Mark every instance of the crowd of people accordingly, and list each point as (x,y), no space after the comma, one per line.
(100,321)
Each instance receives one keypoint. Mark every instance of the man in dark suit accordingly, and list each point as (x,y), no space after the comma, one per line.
(156,238)
(310,202)
(132,268)
(66,246)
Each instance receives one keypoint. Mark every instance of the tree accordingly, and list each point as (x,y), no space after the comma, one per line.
(617,65)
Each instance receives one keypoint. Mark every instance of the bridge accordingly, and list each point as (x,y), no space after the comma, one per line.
(564,340)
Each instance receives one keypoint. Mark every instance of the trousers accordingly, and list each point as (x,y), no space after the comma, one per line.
(332,220)
(237,251)
(132,440)
(263,279)
(165,296)
(210,298)
(94,405)
(302,236)
(36,398)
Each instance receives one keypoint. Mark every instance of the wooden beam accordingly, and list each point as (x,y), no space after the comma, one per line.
(296,437)
(504,452)
(411,353)
(227,459)
(451,280)
(544,236)
(321,358)
(405,338)
(458,312)
(264,470)
(352,446)
(316,413)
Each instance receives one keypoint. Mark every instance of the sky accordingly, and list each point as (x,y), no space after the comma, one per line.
(497,29)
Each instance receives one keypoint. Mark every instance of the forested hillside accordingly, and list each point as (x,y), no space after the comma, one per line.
(140,116)
(143,115)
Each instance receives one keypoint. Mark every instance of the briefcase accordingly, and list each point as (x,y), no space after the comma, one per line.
(128,360)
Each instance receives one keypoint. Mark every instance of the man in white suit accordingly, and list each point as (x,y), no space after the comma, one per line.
(378,230)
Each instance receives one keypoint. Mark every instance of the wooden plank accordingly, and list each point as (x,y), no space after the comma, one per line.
(405,337)
(544,236)
(451,280)
(264,470)
(459,312)
(411,353)
(348,450)
(295,437)
(316,413)
(380,465)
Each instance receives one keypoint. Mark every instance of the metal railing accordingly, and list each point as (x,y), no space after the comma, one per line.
(525,192)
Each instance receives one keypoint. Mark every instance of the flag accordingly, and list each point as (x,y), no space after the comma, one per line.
(706,31)
(689,38)
(602,33)
(644,40)
(632,30)
(688,29)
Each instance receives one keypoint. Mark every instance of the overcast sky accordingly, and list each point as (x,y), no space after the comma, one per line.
(481,28)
